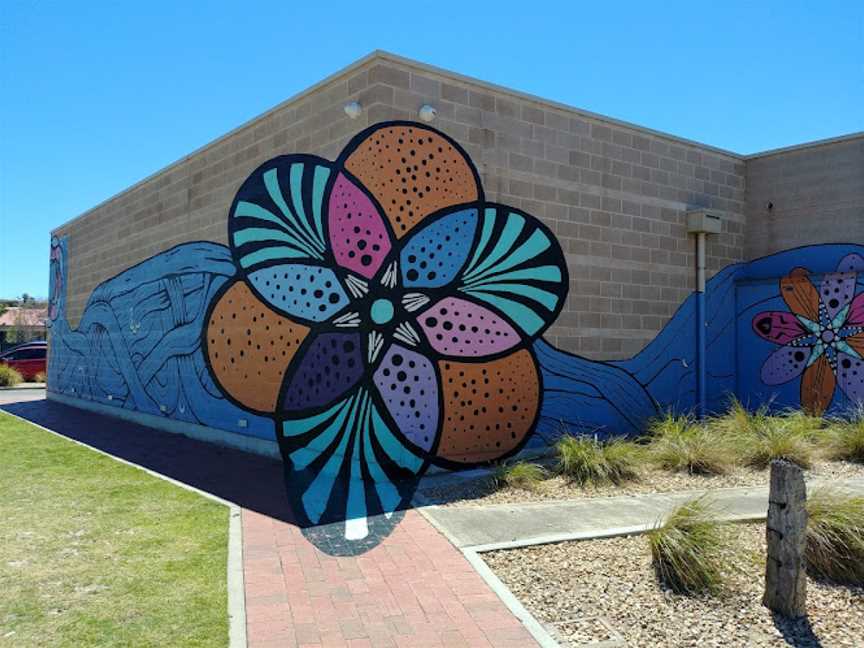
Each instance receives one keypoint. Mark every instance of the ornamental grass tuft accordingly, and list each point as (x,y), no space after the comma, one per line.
(678,444)
(585,460)
(845,440)
(835,537)
(9,377)
(524,475)
(685,550)
(776,437)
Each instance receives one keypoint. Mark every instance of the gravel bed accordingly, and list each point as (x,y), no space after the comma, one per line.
(482,492)
(602,590)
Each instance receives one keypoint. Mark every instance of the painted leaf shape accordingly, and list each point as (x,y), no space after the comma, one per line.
(836,291)
(488,407)
(856,311)
(250,347)
(851,263)
(412,171)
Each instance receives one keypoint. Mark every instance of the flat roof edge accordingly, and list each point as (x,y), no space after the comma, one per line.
(424,67)
(795,147)
(551,103)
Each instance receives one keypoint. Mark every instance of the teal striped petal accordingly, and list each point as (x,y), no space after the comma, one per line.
(282,201)
(512,229)
(548,273)
(517,268)
(339,470)
(544,297)
(485,235)
(536,244)
(270,254)
(319,182)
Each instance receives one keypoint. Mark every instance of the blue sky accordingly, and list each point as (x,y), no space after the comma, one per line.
(94,96)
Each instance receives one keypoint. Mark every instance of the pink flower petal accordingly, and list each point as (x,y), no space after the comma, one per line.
(358,236)
(459,328)
(856,312)
(780,327)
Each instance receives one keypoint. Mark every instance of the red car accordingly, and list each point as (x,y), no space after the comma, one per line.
(28,359)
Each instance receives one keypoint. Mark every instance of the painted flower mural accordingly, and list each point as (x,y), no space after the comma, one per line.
(821,337)
(383,315)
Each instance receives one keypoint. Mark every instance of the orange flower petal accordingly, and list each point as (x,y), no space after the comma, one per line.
(817,386)
(489,407)
(800,294)
(856,342)
(412,172)
(249,347)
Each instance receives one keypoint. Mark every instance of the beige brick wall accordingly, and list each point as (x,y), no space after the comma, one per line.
(615,194)
(817,193)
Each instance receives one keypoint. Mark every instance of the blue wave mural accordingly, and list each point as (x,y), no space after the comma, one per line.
(374,324)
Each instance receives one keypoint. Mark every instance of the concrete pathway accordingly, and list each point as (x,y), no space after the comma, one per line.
(501,526)
(29,392)
(413,589)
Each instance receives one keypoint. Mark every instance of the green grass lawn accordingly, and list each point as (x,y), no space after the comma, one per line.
(97,553)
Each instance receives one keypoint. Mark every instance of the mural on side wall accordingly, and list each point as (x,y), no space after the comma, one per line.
(821,335)
(376,316)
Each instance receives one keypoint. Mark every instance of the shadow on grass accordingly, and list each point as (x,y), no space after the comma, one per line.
(248,480)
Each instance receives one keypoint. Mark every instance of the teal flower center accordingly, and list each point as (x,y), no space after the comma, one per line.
(382,311)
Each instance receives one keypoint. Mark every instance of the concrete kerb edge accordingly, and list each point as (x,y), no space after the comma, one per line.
(24,386)
(581,536)
(236,581)
(507,597)
(236,602)
(534,627)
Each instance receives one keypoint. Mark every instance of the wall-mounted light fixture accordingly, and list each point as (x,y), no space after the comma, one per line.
(428,113)
(353,109)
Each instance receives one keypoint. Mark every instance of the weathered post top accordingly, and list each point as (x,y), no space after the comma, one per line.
(785,577)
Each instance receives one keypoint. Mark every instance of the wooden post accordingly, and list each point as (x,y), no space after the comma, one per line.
(785,578)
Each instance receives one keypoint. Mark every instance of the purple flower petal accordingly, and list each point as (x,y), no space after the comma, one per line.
(850,376)
(785,364)
(330,366)
(851,263)
(458,328)
(836,291)
(408,385)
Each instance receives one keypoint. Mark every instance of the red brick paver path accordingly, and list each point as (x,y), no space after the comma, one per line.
(414,589)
